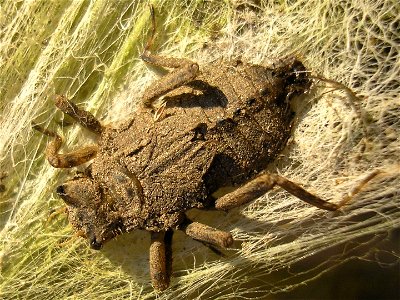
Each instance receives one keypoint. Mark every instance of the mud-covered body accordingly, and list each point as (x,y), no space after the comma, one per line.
(226,130)
(198,129)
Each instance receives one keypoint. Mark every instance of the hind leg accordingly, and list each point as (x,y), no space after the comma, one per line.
(261,184)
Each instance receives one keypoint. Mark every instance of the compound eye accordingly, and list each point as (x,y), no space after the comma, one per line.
(94,244)
(60,190)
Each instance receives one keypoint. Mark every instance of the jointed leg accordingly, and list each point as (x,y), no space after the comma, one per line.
(83,117)
(184,71)
(160,259)
(261,184)
(68,160)
(207,234)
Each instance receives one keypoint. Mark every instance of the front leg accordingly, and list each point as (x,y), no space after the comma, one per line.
(83,117)
(68,160)
(183,71)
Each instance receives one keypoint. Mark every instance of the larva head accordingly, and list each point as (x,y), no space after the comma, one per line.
(295,76)
(88,212)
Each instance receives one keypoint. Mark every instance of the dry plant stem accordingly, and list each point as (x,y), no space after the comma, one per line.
(158,261)
(208,235)
(67,160)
